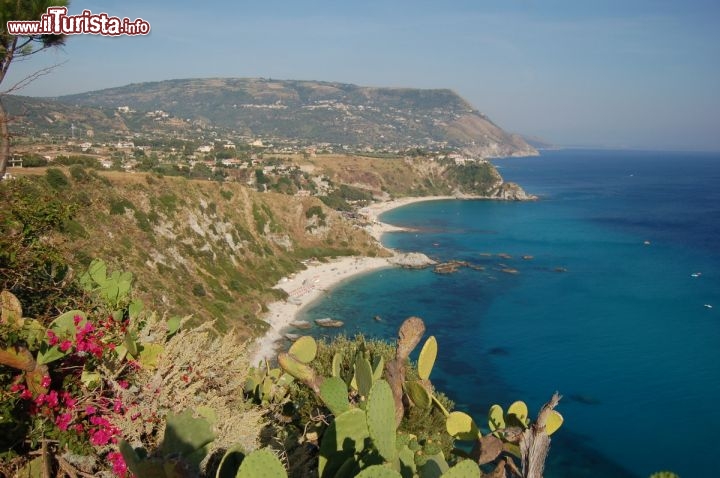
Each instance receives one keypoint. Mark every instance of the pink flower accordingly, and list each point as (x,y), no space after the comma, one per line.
(65,345)
(118,463)
(123,384)
(52,399)
(90,410)
(77,319)
(117,406)
(26,394)
(45,381)
(52,338)
(63,421)
(100,437)
(17,387)
(68,400)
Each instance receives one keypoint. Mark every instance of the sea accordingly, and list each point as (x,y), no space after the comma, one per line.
(606,289)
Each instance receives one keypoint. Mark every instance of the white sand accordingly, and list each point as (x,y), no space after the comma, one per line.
(318,278)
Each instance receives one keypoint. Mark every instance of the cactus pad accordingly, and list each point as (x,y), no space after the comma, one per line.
(363,375)
(334,394)
(336,364)
(297,369)
(461,426)
(517,415)
(378,366)
(496,418)
(345,435)
(664,474)
(304,349)
(261,464)
(418,394)
(553,421)
(378,471)
(381,419)
(426,361)
(464,469)
(187,436)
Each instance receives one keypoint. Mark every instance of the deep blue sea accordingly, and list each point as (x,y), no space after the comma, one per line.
(620,327)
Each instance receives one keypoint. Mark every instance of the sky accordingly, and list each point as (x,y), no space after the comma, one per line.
(597,73)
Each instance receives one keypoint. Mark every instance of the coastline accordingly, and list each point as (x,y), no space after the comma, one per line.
(310,284)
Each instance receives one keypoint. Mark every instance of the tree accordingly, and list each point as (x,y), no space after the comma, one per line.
(14,47)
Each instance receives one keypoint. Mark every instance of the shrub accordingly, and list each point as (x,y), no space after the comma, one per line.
(56,178)
(78,173)
(34,269)
(33,161)
(119,205)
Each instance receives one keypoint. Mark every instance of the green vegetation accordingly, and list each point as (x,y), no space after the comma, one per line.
(477,178)
(80,160)
(56,179)
(169,243)
(35,270)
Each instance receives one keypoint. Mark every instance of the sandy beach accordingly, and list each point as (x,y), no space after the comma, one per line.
(310,284)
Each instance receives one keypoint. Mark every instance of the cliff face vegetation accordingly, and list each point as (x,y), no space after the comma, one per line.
(196,247)
(414,176)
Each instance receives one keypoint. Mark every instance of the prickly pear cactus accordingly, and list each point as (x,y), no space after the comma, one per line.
(363,375)
(664,474)
(334,394)
(300,371)
(381,420)
(464,469)
(426,361)
(379,471)
(517,415)
(336,365)
(418,394)
(553,421)
(461,426)
(187,436)
(261,464)
(496,419)
(304,349)
(346,436)
(378,366)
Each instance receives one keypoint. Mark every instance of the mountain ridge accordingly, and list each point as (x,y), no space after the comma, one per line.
(317,111)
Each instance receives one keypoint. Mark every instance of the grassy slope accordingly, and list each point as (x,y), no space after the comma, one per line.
(198,247)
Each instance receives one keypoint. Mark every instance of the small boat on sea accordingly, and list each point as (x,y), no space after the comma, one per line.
(294,300)
(300,324)
(328,322)
(292,337)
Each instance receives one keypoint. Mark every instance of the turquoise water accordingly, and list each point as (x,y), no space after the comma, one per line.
(623,332)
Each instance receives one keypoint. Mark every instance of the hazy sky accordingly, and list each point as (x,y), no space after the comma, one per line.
(617,73)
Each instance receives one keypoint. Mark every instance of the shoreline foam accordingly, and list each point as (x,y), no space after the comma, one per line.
(310,284)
